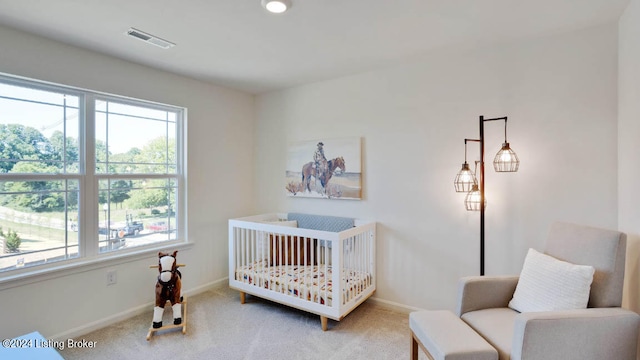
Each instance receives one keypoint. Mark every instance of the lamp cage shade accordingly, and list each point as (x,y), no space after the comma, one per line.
(465,179)
(506,160)
(472,200)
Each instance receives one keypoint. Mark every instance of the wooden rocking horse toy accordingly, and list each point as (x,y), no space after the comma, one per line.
(168,288)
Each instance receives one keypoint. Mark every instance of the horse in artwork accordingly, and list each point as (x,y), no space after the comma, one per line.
(309,170)
(168,288)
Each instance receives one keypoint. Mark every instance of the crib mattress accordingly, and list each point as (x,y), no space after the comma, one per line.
(311,282)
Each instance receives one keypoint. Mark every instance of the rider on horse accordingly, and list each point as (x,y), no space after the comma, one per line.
(320,160)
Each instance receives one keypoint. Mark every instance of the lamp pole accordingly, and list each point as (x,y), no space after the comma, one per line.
(482,198)
(482,207)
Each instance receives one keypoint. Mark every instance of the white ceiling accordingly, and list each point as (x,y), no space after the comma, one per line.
(236,43)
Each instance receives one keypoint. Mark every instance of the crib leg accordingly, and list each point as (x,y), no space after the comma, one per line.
(323,322)
(242,297)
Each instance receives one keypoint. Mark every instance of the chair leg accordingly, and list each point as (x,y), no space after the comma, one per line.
(415,344)
(414,347)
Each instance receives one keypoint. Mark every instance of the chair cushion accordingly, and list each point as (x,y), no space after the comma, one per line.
(549,284)
(495,326)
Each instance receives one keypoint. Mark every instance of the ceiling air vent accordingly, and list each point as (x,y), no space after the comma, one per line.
(148,38)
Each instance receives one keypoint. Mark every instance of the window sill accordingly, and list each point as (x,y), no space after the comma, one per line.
(17,278)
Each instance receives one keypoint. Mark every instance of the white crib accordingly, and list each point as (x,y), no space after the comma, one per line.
(323,272)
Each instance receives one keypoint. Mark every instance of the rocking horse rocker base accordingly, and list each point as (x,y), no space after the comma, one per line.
(182,325)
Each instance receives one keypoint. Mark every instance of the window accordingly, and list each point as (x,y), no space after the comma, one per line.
(84,174)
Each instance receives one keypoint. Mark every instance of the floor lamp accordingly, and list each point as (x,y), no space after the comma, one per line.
(466,181)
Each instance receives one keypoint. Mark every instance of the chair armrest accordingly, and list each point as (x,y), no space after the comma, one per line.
(597,333)
(485,292)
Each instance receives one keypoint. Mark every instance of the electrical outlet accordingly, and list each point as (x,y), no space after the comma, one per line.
(112,277)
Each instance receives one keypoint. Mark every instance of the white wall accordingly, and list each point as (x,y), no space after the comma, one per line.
(629,146)
(220,130)
(560,95)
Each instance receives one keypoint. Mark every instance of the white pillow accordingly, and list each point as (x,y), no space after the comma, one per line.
(549,284)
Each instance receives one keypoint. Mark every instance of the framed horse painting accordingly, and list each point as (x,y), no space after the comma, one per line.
(325,168)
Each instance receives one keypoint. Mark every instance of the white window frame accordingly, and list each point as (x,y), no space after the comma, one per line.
(89,256)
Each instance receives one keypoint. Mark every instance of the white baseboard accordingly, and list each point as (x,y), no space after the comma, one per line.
(124,315)
(98,324)
(212,285)
(394,306)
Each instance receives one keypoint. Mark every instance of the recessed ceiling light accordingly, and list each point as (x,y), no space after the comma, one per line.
(276,6)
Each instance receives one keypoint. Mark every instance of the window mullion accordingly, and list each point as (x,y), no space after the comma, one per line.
(89,190)
(181,153)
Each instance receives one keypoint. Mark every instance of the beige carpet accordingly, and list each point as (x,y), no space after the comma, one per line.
(219,327)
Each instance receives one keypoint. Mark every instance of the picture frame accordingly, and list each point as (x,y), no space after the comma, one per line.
(336,162)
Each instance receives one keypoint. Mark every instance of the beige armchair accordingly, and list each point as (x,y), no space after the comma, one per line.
(603,330)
